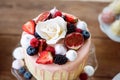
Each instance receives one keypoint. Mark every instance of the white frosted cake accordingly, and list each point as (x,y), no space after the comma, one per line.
(55,46)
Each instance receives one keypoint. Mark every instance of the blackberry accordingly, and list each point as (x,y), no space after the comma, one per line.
(32,51)
(22,70)
(70,28)
(37,35)
(27,75)
(60,59)
(85,34)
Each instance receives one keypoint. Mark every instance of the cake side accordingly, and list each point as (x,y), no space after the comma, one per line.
(69,71)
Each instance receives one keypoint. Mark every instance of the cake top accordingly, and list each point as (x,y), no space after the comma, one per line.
(54,36)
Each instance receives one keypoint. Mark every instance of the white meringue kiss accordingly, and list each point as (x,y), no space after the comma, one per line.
(60,49)
(89,70)
(18,53)
(71,55)
(25,39)
(17,64)
(81,25)
(52,30)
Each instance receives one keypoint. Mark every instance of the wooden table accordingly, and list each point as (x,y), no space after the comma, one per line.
(14,13)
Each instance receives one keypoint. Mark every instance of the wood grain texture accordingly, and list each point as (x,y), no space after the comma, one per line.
(14,13)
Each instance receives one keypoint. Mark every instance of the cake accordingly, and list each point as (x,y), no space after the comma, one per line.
(54,46)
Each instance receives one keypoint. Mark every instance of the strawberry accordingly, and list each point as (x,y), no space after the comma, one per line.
(44,16)
(42,45)
(34,42)
(78,30)
(70,18)
(51,49)
(29,27)
(45,58)
(74,40)
(58,13)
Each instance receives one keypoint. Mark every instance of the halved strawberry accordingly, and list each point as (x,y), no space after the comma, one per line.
(74,40)
(29,27)
(45,58)
(70,18)
(42,45)
(50,49)
(44,16)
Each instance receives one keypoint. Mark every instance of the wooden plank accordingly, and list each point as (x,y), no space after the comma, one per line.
(108,56)
(19,13)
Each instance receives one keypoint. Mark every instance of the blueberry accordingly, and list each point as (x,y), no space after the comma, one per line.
(27,75)
(22,70)
(70,28)
(37,35)
(85,34)
(32,51)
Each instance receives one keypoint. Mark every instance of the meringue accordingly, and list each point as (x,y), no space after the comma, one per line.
(81,25)
(89,70)
(17,64)
(71,55)
(60,49)
(18,53)
(25,39)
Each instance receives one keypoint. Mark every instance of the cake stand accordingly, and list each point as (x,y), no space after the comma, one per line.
(92,61)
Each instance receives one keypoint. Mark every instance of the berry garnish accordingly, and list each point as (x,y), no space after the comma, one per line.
(29,27)
(27,75)
(44,16)
(32,51)
(85,34)
(45,58)
(58,13)
(22,70)
(83,76)
(78,30)
(42,45)
(70,28)
(34,42)
(70,18)
(51,49)
(74,40)
(60,59)
(37,35)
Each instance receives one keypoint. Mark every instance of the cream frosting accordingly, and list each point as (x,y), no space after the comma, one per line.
(52,30)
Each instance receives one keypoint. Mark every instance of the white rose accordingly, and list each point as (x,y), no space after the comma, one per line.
(52,30)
